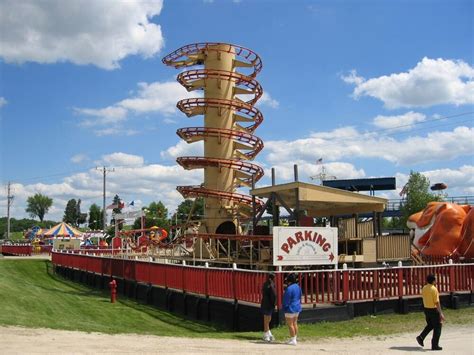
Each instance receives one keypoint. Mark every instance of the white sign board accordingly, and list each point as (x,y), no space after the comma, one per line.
(129,215)
(304,246)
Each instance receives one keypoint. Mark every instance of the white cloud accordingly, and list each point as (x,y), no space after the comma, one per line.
(83,32)
(460,181)
(399,122)
(168,120)
(3,101)
(156,97)
(132,179)
(121,159)
(430,82)
(107,115)
(183,149)
(115,131)
(79,158)
(267,100)
(349,143)
(352,78)
(308,170)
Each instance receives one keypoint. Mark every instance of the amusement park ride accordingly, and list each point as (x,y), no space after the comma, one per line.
(230,120)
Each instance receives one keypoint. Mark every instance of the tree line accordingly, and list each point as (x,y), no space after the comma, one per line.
(156,213)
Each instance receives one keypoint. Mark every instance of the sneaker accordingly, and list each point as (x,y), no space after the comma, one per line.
(436,348)
(292,341)
(419,341)
(271,338)
(266,337)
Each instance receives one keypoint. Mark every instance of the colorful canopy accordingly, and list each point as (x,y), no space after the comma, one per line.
(62,230)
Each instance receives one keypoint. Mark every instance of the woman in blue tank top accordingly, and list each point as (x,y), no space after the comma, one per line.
(292,306)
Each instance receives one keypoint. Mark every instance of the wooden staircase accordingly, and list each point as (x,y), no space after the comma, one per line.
(415,256)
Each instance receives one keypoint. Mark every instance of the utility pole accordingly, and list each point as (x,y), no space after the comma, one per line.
(9,203)
(104,216)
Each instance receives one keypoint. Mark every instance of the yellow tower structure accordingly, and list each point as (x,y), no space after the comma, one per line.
(230,119)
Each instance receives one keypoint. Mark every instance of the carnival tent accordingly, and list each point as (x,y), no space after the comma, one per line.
(62,230)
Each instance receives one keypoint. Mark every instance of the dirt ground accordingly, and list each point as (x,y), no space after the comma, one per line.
(16,340)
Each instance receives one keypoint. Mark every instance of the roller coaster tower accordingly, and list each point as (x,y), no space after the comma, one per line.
(230,119)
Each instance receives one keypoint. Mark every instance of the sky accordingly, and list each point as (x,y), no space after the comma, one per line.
(374,88)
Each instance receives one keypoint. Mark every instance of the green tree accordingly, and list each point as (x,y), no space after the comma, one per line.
(81,217)
(95,217)
(38,205)
(116,210)
(70,212)
(418,195)
(21,225)
(156,214)
(184,209)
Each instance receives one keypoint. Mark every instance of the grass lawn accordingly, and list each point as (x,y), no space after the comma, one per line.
(32,296)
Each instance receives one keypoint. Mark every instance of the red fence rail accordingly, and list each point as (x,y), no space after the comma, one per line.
(16,249)
(325,286)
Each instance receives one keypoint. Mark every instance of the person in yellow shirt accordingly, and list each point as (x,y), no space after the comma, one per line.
(433,314)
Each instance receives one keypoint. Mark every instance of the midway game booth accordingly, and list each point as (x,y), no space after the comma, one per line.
(64,237)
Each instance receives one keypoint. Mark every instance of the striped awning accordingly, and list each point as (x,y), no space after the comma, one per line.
(62,230)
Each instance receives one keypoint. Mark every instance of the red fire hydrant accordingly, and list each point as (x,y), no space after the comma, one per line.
(113,290)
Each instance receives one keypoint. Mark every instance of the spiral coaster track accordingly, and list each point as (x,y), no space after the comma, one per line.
(230,120)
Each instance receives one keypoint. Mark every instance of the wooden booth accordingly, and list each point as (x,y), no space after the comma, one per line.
(309,205)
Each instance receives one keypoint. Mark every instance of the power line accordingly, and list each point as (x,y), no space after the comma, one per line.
(43,177)
(421,122)
(46,177)
(434,126)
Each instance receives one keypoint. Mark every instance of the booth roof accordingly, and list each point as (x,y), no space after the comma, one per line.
(322,201)
(62,230)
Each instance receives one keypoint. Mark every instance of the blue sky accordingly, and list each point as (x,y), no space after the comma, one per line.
(366,85)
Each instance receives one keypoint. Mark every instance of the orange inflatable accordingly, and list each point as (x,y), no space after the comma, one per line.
(443,229)
(466,247)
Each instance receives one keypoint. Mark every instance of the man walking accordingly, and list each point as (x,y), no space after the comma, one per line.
(433,314)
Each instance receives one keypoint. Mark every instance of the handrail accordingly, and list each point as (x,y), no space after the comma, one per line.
(193,49)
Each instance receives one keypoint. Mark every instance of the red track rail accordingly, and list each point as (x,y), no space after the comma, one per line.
(255,144)
(177,58)
(201,162)
(198,106)
(190,77)
(198,191)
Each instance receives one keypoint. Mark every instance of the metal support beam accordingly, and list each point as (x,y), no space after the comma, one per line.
(254,207)
(276,221)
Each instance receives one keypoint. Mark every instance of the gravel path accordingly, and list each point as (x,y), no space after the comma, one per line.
(16,340)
